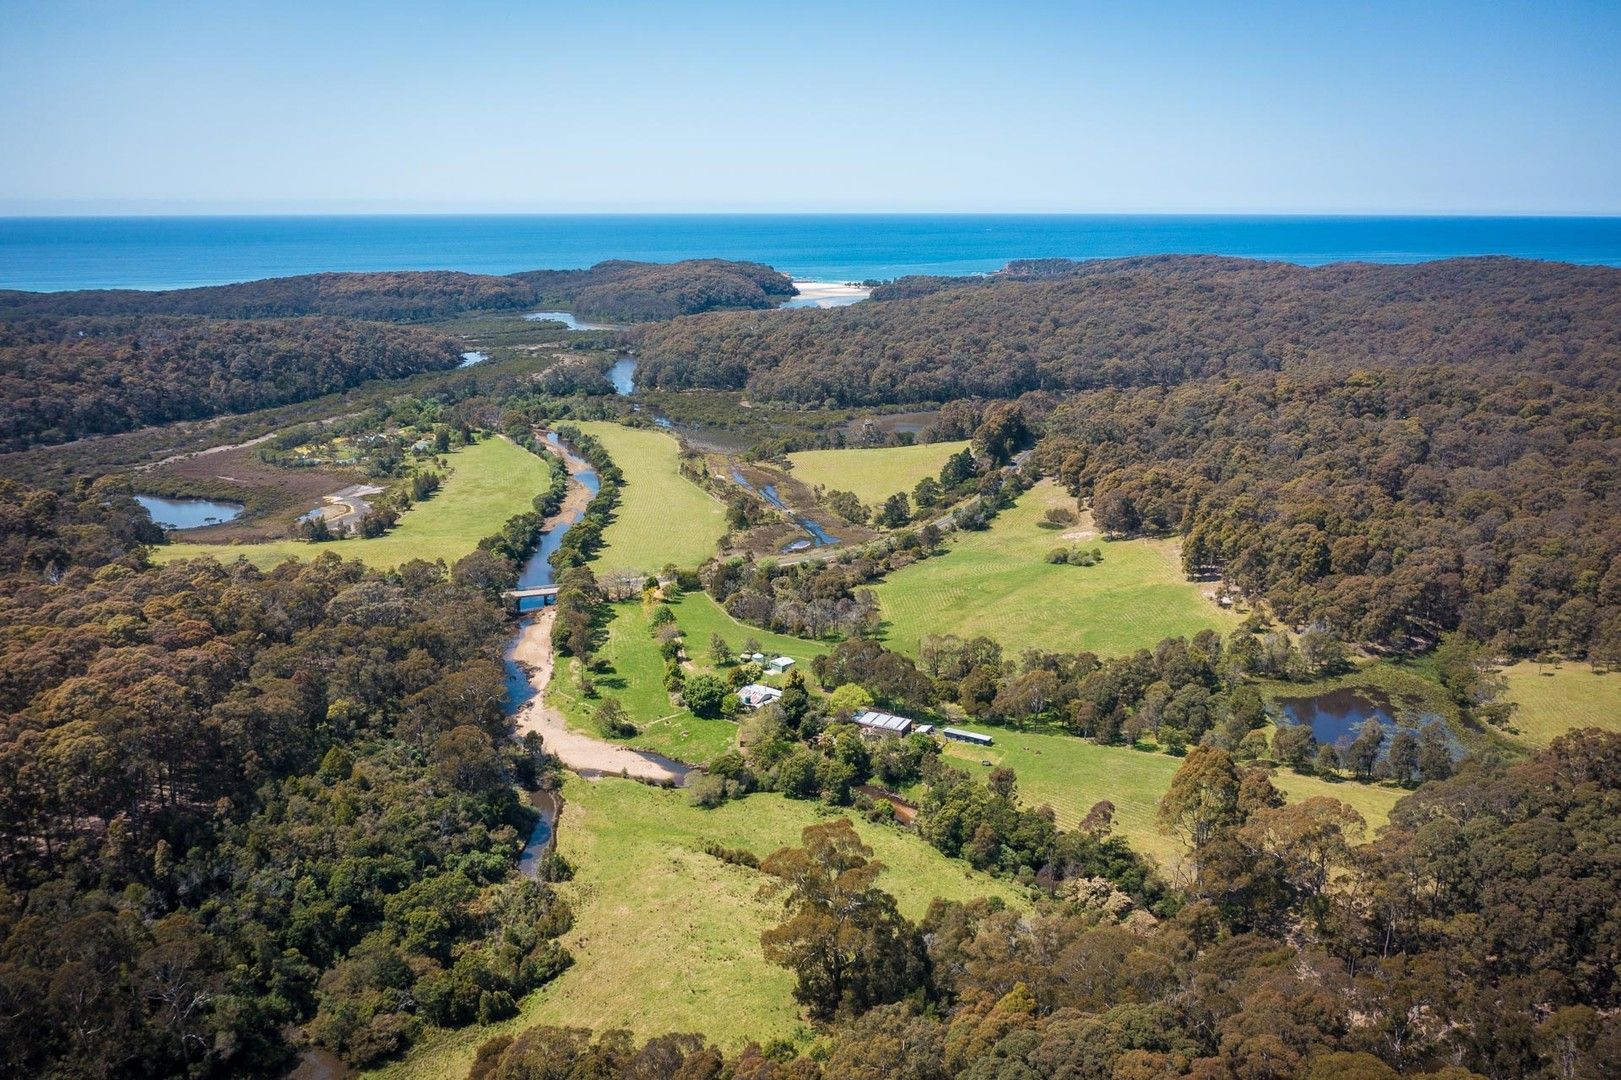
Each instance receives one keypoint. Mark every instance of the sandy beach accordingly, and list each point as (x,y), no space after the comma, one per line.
(827,294)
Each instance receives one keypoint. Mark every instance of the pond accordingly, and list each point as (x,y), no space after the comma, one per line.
(567,319)
(1337,717)
(471,358)
(188,513)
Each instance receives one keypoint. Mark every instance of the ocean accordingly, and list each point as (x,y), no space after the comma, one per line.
(177,252)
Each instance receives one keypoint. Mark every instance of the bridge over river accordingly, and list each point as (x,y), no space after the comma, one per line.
(545,593)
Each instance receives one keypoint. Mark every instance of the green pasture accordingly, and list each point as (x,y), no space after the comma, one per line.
(1072,775)
(874,474)
(662,517)
(1552,700)
(489,482)
(998,583)
(666,937)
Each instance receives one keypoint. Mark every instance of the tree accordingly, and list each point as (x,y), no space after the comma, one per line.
(1294,744)
(847,945)
(1434,755)
(466,760)
(895,512)
(612,719)
(927,492)
(795,700)
(1363,752)
(1202,801)
(1401,759)
(849,699)
(719,651)
(704,695)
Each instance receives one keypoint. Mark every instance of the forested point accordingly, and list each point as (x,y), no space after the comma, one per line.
(615,290)
(63,378)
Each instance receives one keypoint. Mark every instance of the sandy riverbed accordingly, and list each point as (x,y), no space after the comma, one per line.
(827,294)
(577,750)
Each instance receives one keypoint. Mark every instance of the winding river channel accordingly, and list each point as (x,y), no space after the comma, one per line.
(529,669)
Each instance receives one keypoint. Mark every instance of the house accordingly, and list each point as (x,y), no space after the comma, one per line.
(966,736)
(755,695)
(883,723)
(779,665)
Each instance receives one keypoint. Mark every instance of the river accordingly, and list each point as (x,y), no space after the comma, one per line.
(529,664)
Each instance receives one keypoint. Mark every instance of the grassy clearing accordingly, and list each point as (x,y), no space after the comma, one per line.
(873,474)
(663,517)
(1553,700)
(998,583)
(489,482)
(700,617)
(635,676)
(1071,775)
(667,938)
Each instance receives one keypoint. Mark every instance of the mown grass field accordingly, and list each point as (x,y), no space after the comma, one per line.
(667,938)
(663,517)
(489,482)
(635,676)
(873,474)
(699,617)
(998,583)
(1556,700)
(1071,775)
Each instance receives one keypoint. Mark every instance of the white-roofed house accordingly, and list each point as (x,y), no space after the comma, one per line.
(882,723)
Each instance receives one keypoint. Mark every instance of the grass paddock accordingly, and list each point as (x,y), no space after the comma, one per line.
(662,517)
(1554,700)
(999,584)
(666,937)
(873,474)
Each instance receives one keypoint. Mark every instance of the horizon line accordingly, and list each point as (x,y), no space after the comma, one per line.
(6,215)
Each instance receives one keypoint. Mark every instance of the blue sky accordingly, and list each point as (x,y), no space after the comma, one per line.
(1109,107)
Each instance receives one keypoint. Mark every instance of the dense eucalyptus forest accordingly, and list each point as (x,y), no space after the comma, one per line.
(242,810)
(617,290)
(1393,452)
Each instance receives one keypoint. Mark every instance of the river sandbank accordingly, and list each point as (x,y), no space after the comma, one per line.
(585,754)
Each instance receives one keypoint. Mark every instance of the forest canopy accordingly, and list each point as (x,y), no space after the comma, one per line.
(620,290)
(65,378)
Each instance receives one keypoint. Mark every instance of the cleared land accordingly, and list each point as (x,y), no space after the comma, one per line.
(998,583)
(1071,775)
(635,676)
(1561,699)
(667,938)
(873,474)
(663,517)
(489,482)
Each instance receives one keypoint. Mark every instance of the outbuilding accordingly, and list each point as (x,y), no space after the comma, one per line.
(780,665)
(967,736)
(883,723)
